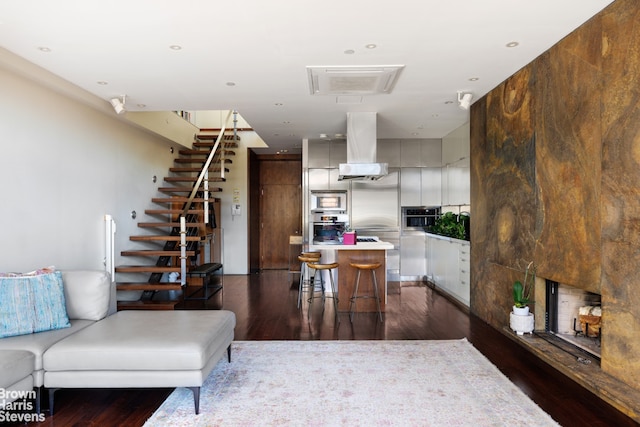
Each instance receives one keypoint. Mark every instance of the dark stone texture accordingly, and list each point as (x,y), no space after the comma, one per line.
(555,179)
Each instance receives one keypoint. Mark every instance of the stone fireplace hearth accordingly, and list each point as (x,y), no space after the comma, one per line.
(562,351)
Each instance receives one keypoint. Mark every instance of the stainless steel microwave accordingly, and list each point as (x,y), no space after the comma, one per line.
(328,201)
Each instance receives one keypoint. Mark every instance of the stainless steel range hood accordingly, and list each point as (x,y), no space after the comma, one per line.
(361,149)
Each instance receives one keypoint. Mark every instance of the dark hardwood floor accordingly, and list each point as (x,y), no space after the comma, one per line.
(265,306)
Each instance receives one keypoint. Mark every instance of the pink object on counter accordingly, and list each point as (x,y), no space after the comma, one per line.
(349,238)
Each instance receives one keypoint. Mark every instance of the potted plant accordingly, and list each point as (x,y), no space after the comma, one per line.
(449,225)
(521,320)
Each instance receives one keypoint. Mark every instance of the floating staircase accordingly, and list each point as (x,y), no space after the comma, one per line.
(161,245)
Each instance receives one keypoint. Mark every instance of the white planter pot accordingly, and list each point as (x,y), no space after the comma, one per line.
(521,324)
(521,311)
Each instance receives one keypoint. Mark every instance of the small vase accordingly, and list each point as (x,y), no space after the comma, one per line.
(521,324)
(521,311)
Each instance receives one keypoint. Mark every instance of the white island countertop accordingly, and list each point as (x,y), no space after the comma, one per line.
(360,246)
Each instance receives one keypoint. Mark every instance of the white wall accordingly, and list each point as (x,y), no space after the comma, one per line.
(65,164)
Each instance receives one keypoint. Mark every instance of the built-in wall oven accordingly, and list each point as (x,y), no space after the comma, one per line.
(327,229)
(419,218)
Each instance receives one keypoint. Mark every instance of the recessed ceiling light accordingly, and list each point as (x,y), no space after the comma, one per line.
(370,46)
(44,49)
(349,52)
(474,79)
(512,44)
(175,47)
(102,83)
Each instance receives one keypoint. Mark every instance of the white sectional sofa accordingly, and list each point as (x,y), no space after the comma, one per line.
(104,348)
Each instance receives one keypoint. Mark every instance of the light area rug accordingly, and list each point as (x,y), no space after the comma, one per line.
(353,383)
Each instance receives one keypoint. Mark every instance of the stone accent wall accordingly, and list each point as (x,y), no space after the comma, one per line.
(555,179)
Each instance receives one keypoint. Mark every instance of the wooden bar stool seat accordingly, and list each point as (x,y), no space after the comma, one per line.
(329,267)
(360,266)
(305,258)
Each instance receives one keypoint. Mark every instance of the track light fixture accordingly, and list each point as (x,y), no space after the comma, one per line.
(119,104)
(464,100)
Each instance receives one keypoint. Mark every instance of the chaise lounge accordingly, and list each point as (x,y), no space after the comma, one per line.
(102,348)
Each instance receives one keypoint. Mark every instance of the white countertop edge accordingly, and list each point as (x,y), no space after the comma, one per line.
(361,246)
(448,239)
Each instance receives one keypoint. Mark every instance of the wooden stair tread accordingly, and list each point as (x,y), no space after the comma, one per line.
(147,305)
(142,286)
(192,179)
(170,224)
(154,252)
(146,269)
(178,199)
(199,161)
(165,238)
(192,169)
(180,189)
(172,211)
(227,145)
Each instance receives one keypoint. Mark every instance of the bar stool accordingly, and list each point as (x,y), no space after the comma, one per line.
(305,258)
(352,302)
(319,267)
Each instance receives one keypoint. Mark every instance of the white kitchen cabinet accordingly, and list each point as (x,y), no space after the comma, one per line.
(448,266)
(410,187)
(410,153)
(456,186)
(431,186)
(326,179)
(420,187)
(431,153)
(318,179)
(413,256)
(319,154)
(388,151)
(337,153)
(456,148)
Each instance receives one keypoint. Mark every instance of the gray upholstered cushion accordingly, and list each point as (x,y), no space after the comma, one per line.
(88,294)
(144,341)
(14,366)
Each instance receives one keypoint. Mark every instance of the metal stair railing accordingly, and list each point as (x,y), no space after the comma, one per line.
(204,175)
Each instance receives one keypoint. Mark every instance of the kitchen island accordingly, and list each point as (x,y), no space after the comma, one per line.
(345,276)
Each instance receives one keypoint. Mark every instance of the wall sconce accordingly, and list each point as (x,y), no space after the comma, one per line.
(464,100)
(118,104)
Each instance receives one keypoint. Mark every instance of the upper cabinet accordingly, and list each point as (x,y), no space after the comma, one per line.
(456,177)
(327,154)
(388,151)
(421,153)
(420,187)
(456,148)
(320,154)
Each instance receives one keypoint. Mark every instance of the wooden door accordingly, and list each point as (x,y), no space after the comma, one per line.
(280,211)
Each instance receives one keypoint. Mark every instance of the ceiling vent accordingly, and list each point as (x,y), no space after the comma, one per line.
(353,80)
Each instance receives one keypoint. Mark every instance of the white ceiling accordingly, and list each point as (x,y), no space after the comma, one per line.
(264,48)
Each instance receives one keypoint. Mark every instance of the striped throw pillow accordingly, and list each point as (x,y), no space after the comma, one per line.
(32,304)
